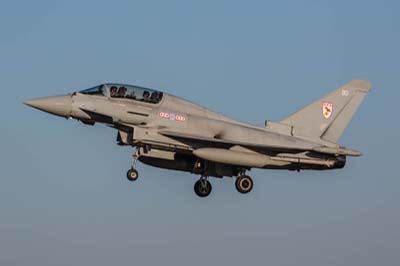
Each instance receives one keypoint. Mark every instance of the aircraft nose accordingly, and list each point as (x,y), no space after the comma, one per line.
(56,105)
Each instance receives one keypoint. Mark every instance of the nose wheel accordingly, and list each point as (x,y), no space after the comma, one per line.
(132,173)
(244,184)
(202,187)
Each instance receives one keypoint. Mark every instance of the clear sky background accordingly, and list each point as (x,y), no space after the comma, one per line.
(64,197)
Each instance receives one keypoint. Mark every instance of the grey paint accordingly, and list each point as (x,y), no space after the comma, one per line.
(176,132)
(345,101)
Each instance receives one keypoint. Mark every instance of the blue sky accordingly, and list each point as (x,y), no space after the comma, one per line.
(64,198)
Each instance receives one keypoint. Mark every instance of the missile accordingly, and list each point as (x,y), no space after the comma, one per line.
(337,151)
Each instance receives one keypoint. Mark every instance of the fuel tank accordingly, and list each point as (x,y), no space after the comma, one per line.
(248,159)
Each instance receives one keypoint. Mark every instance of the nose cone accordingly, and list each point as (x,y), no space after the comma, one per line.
(56,105)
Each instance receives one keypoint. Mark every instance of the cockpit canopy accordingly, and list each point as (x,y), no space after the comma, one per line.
(135,93)
(124,91)
(98,90)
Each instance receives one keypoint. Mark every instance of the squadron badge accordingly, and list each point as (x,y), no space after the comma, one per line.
(327,109)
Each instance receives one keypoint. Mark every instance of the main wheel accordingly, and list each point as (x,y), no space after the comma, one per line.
(132,174)
(244,184)
(202,188)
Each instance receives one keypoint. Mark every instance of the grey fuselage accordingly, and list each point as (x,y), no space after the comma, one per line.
(176,134)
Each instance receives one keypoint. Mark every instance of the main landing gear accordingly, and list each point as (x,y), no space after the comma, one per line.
(132,173)
(202,187)
(244,184)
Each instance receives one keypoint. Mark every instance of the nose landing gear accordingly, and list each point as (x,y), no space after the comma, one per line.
(132,173)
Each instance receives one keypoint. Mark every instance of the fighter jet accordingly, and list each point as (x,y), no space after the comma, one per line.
(173,133)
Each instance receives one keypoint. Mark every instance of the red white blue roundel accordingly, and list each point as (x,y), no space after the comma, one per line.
(327,109)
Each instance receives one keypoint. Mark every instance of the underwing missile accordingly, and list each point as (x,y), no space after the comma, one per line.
(337,151)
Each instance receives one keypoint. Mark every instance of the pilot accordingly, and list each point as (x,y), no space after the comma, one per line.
(146,96)
(154,97)
(113,91)
(121,92)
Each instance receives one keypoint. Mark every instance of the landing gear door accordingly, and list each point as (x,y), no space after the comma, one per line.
(125,138)
(140,134)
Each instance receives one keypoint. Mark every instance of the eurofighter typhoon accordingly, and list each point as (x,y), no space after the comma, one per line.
(172,133)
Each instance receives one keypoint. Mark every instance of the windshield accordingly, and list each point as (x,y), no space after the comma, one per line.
(135,93)
(98,90)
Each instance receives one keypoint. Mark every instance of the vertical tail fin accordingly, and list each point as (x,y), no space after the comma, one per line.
(328,117)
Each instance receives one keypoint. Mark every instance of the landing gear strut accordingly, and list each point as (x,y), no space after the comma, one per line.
(202,187)
(244,184)
(132,173)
